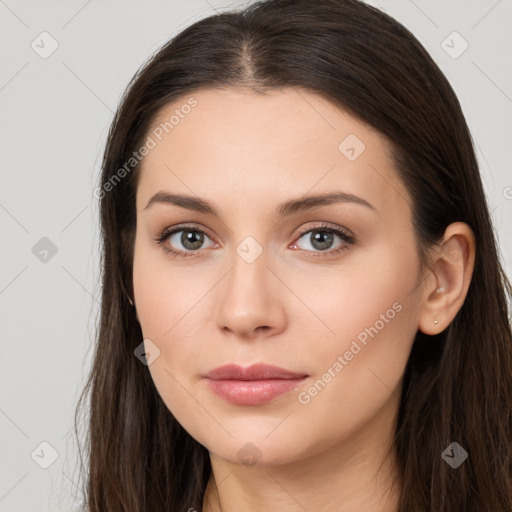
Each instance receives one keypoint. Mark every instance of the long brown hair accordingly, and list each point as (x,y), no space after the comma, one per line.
(457,384)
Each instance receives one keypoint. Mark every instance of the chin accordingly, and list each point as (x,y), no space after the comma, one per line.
(254,450)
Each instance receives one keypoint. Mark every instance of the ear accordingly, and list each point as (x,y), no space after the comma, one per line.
(452,268)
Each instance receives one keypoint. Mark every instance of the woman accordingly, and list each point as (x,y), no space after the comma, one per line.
(303,307)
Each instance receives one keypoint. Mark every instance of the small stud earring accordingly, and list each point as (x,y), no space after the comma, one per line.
(435,321)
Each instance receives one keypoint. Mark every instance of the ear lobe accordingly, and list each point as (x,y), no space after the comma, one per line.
(452,266)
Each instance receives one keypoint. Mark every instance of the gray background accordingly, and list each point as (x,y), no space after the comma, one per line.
(55,115)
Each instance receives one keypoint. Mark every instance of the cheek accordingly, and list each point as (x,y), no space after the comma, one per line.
(177,391)
(165,293)
(357,376)
(361,368)
(364,296)
(171,308)
(171,314)
(167,306)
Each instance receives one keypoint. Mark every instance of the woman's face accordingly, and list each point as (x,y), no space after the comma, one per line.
(263,280)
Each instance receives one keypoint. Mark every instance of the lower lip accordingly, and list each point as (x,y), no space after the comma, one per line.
(252,392)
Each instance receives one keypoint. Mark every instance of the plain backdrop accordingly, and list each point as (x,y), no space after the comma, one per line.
(55,112)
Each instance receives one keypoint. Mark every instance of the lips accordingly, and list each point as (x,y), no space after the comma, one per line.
(255,385)
(254,372)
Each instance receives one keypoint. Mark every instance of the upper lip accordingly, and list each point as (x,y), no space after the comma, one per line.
(254,372)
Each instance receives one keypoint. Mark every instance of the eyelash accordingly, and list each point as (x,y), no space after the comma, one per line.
(166,233)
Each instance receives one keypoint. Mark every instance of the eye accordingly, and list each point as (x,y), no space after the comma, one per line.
(190,238)
(321,239)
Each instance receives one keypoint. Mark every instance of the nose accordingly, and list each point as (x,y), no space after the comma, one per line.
(251,299)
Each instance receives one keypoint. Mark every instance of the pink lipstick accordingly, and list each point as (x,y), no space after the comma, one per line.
(254,385)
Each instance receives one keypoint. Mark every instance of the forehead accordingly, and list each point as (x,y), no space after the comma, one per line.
(236,145)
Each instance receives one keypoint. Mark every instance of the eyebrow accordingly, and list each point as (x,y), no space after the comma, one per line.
(287,208)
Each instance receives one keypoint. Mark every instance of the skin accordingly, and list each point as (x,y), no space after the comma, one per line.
(245,154)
